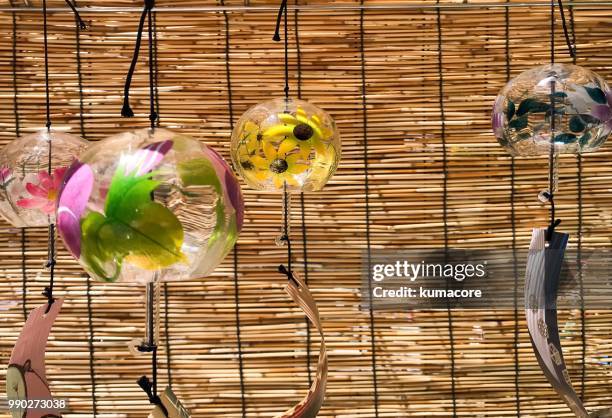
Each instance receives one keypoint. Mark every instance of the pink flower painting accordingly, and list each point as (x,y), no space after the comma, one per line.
(43,195)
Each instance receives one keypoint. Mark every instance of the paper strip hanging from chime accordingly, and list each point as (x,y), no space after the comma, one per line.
(172,404)
(311,404)
(542,281)
(26,378)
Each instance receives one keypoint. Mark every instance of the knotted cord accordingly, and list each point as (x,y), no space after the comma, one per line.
(148,385)
(283,13)
(48,292)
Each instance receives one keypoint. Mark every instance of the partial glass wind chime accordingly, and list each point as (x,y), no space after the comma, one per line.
(288,145)
(31,171)
(549,110)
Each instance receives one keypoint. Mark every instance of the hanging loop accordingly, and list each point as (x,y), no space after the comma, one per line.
(126,110)
(570,46)
(282,12)
(82,24)
(282,8)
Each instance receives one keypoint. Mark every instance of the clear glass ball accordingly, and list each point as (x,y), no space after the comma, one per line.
(582,103)
(288,142)
(28,193)
(146,205)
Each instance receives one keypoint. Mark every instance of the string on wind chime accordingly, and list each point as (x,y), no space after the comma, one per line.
(550,110)
(289,145)
(31,171)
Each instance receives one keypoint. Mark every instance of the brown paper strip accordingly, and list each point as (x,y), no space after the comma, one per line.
(311,404)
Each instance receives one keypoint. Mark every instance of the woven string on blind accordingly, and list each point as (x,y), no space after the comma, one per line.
(302,198)
(364,103)
(445,197)
(579,232)
(24,272)
(230,105)
(91,336)
(517,368)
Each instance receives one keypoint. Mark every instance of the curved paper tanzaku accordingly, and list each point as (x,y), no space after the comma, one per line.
(542,279)
(28,357)
(311,404)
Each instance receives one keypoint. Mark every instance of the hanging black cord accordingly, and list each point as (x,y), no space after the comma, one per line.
(81,23)
(152,84)
(46,54)
(570,46)
(15,84)
(155,69)
(230,99)
(127,111)
(282,11)
(150,387)
(48,292)
(517,369)
(445,201)
(366,166)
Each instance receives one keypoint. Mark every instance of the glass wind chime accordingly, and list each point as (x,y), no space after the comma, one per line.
(287,145)
(149,206)
(31,171)
(550,110)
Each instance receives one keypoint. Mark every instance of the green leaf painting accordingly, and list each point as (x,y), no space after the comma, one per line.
(565,138)
(532,106)
(134,227)
(576,124)
(596,94)
(519,123)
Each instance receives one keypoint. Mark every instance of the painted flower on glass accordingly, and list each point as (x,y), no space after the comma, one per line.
(280,163)
(5,176)
(44,193)
(133,227)
(249,144)
(603,111)
(308,132)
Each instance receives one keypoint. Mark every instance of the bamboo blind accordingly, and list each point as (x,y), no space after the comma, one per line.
(405,60)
